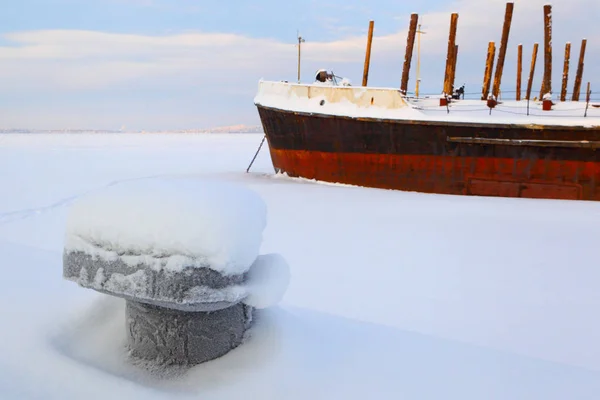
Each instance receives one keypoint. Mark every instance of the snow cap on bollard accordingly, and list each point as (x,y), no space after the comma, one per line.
(184,253)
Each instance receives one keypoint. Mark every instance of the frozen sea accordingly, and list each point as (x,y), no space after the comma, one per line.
(393,295)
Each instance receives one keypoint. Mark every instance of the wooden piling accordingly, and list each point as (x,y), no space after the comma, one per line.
(587,99)
(519,70)
(579,76)
(502,53)
(368,54)
(589,92)
(410,43)
(565,79)
(450,54)
(489,67)
(419,32)
(454,62)
(532,70)
(547,82)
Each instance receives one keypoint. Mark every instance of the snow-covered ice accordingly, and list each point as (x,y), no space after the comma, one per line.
(393,294)
(268,279)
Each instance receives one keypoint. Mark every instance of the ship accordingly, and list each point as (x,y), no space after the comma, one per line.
(383,138)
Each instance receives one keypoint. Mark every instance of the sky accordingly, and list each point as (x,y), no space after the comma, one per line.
(183,64)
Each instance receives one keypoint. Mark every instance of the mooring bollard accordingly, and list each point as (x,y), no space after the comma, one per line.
(183,254)
(547,102)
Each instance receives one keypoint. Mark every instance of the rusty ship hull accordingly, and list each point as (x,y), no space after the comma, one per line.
(444,157)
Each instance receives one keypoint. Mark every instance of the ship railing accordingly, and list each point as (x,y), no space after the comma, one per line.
(477,96)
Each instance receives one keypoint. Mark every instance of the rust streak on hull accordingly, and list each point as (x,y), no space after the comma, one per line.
(504,177)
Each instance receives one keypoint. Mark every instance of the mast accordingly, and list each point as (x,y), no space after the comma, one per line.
(419,33)
(565,80)
(579,75)
(368,54)
(489,70)
(502,52)
(519,70)
(547,82)
(300,41)
(409,52)
(532,70)
(450,54)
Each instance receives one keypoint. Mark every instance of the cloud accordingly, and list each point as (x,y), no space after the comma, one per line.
(82,62)
(90,60)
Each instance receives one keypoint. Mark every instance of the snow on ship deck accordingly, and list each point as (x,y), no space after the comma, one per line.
(389,104)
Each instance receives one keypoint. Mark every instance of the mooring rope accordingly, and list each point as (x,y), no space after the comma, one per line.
(257,151)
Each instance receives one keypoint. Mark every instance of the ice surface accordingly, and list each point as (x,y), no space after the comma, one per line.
(170,224)
(394,294)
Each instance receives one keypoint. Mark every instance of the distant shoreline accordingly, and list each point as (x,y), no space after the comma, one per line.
(102,131)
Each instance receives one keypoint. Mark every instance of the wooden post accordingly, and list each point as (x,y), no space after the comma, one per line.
(368,54)
(410,43)
(565,79)
(454,61)
(419,32)
(579,76)
(588,98)
(532,70)
(450,54)
(489,67)
(547,82)
(502,53)
(519,70)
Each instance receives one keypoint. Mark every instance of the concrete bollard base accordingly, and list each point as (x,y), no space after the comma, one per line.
(172,337)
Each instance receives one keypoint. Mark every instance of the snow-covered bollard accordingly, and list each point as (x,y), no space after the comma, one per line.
(183,253)
(547,102)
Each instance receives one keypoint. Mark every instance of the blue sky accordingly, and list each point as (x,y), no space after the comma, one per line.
(182,64)
(267,18)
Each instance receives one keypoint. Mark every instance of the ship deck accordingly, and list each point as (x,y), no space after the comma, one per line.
(389,104)
(568,113)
